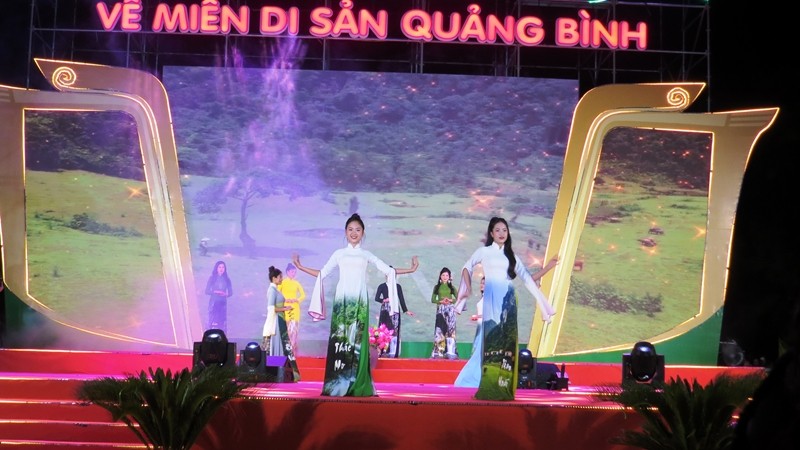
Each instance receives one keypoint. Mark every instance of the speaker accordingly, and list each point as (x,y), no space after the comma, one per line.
(550,376)
(278,370)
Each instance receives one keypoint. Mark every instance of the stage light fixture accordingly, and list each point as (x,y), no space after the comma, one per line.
(643,364)
(252,363)
(532,374)
(526,372)
(731,354)
(214,350)
(253,355)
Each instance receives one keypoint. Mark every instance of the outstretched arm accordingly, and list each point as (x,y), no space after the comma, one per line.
(412,269)
(296,261)
(547,268)
(542,303)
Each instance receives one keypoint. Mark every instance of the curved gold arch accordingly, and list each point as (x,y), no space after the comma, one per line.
(89,87)
(651,106)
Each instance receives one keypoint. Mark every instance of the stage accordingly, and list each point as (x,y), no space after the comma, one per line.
(108,238)
(416,407)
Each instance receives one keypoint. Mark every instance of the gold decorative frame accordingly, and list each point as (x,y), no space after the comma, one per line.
(89,87)
(651,106)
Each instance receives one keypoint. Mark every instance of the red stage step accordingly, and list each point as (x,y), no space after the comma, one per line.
(38,405)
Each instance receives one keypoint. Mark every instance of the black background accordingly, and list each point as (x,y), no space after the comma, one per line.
(753,65)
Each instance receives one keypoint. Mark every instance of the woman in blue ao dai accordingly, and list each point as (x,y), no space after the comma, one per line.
(219,288)
(275,331)
(493,367)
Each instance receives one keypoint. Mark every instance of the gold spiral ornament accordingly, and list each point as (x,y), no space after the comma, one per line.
(678,97)
(64,77)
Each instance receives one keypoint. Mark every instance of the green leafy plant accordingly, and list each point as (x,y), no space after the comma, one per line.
(685,415)
(165,410)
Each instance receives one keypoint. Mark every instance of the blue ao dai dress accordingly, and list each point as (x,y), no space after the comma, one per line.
(276,328)
(271,330)
(493,366)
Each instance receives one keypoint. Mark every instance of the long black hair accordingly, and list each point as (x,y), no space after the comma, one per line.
(512,260)
(212,280)
(449,282)
(215,275)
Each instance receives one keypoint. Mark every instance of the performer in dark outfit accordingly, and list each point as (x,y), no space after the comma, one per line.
(391,320)
(218,288)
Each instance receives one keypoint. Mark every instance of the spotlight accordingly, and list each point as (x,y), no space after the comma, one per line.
(526,377)
(253,363)
(643,364)
(253,355)
(731,354)
(214,350)
(532,374)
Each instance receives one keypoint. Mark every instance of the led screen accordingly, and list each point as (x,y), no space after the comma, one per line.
(274,161)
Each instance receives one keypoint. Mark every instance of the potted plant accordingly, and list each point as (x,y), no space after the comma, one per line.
(685,415)
(165,410)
